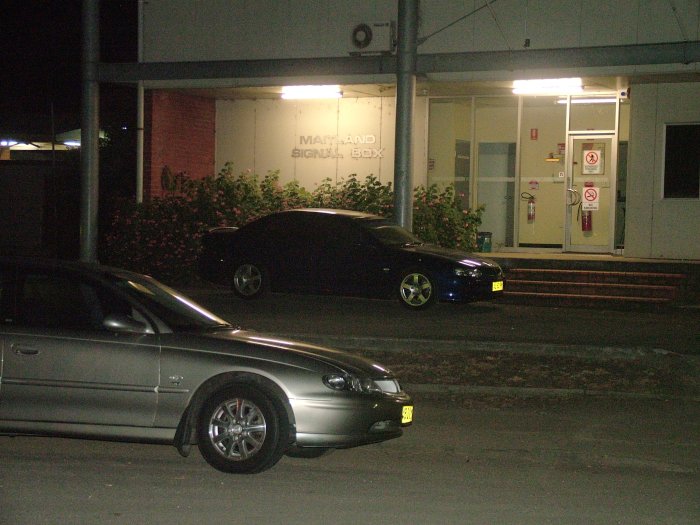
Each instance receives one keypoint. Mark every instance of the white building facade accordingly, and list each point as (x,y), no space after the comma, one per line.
(610,167)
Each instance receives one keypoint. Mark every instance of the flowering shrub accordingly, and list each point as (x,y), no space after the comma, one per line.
(438,218)
(161,237)
(371,196)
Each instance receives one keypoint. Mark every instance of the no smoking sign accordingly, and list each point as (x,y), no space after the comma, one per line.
(591,199)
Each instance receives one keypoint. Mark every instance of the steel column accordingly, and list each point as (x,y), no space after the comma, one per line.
(90,132)
(405,100)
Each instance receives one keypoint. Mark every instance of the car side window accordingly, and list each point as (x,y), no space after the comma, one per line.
(348,235)
(55,300)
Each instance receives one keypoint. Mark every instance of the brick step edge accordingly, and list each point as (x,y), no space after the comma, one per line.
(675,277)
(519,285)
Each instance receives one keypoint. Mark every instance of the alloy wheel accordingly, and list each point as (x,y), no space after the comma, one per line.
(416,290)
(237,429)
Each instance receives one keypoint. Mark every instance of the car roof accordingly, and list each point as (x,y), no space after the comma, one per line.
(85,268)
(342,213)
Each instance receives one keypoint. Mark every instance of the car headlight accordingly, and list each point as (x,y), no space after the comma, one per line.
(468,272)
(364,385)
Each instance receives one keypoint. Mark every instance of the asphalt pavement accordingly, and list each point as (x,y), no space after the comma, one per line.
(668,338)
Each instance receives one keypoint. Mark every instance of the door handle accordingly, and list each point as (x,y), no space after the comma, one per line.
(25,350)
(575,197)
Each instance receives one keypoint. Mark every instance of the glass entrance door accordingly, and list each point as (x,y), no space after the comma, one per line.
(590,208)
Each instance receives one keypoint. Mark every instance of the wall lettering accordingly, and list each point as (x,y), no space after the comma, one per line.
(329,147)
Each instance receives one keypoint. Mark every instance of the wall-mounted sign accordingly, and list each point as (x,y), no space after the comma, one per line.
(592,161)
(591,198)
(337,147)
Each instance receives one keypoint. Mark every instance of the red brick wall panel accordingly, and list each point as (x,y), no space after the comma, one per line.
(179,133)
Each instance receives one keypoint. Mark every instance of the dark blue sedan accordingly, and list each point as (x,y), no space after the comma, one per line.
(322,251)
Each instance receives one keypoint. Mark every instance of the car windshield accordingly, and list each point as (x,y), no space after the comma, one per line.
(390,233)
(177,311)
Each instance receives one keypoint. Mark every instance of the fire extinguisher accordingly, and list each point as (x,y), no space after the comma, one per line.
(586,221)
(530,198)
(586,215)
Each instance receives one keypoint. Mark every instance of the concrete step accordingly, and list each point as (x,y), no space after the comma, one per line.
(597,276)
(587,288)
(606,289)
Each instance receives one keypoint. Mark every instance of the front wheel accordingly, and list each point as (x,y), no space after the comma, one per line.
(241,431)
(417,290)
(249,281)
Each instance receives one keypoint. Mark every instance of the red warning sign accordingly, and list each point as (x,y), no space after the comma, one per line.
(592,162)
(591,199)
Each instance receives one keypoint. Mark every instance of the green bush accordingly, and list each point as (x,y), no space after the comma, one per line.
(438,218)
(162,236)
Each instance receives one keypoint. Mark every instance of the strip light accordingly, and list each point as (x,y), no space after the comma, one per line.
(308,92)
(591,100)
(548,86)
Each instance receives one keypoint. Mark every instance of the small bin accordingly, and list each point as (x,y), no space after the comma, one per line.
(483,241)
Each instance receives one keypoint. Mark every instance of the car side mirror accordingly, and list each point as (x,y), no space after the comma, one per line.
(124,323)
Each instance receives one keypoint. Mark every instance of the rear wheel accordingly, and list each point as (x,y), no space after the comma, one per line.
(417,290)
(249,281)
(241,431)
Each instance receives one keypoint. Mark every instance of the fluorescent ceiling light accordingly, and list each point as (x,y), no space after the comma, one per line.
(302,92)
(590,100)
(7,143)
(548,86)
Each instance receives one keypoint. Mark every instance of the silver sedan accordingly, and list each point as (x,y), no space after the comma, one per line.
(94,352)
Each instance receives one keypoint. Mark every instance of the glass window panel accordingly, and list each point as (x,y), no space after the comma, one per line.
(449,144)
(682,162)
(542,154)
(586,116)
(496,133)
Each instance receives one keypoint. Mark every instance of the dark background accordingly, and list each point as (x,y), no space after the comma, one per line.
(40,95)
(41,43)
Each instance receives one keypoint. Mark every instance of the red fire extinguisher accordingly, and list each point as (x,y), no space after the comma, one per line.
(586,215)
(586,221)
(530,198)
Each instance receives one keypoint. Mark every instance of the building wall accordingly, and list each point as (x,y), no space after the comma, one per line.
(657,227)
(176,30)
(179,135)
(309,141)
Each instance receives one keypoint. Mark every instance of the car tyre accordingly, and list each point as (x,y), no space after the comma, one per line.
(242,430)
(250,281)
(417,289)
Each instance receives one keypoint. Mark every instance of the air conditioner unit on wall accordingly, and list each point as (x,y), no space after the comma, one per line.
(372,38)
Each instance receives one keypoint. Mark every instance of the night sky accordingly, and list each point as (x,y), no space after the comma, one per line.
(40,70)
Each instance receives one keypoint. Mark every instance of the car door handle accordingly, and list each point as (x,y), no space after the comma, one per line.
(25,350)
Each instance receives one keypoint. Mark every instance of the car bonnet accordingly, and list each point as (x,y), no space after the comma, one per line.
(280,349)
(454,255)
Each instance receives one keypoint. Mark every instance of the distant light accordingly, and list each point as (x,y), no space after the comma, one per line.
(8,143)
(308,92)
(548,86)
(72,143)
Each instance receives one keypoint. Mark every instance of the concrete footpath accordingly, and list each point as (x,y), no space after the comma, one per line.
(491,348)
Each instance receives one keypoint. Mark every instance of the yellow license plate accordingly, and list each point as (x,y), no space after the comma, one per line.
(407,415)
(497,286)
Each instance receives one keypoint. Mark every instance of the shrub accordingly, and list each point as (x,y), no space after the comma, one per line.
(162,236)
(438,218)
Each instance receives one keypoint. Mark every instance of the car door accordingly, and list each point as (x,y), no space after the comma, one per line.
(348,261)
(61,365)
(294,252)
